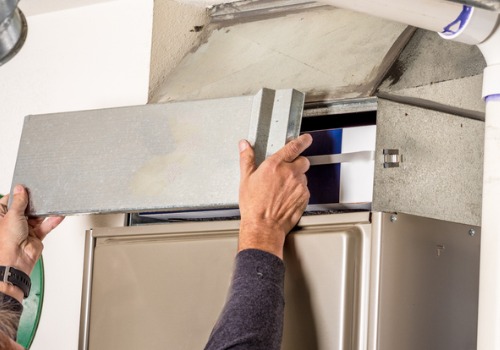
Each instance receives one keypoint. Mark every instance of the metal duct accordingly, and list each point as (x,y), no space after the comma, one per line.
(13,29)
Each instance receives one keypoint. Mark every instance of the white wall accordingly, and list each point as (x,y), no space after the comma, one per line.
(173,36)
(87,57)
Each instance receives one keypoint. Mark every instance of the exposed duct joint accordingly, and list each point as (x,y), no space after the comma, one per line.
(13,29)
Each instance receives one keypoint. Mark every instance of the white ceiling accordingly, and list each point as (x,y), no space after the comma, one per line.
(35,7)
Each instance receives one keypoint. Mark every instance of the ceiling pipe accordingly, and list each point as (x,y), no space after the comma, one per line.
(456,20)
(492,5)
(13,30)
(459,22)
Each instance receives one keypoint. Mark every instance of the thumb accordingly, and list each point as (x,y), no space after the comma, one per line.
(247,159)
(19,201)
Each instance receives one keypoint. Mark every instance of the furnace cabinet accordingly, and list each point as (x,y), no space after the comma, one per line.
(399,271)
(364,280)
(400,274)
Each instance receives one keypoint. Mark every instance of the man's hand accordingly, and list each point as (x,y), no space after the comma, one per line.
(273,196)
(21,237)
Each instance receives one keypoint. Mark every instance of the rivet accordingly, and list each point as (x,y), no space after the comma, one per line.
(472,232)
(394,218)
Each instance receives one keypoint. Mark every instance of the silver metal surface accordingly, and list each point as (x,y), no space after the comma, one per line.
(260,122)
(441,173)
(13,30)
(88,266)
(429,281)
(242,9)
(128,306)
(285,120)
(352,157)
(350,105)
(149,158)
(438,74)
(492,5)
(391,158)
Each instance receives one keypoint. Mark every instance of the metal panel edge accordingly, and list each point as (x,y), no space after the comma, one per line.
(335,219)
(183,227)
(88,266)
(374,281)
(252,8)
(260,122)
(286,119)
(350,105)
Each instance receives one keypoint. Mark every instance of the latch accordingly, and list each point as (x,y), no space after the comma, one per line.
(391,158)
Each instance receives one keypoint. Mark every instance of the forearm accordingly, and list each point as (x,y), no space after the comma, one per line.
(10,314)
(11,290)
(253,315)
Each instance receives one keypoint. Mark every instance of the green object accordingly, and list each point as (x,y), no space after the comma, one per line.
(32,307)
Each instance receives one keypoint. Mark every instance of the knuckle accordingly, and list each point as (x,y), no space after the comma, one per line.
(293,148)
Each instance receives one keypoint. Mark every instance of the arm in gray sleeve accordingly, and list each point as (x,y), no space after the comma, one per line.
(253,315)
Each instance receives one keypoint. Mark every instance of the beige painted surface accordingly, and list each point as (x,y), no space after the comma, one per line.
(326,288)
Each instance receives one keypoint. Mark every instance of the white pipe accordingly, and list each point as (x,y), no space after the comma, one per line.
(454,21)
(489,277)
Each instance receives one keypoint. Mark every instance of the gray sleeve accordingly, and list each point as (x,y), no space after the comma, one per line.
(253,315)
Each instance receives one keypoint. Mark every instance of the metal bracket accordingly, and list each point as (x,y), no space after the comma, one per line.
(392,158)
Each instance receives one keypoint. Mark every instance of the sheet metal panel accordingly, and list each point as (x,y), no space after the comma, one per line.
(429,282)
(147,158)
(163,286)
(440,168)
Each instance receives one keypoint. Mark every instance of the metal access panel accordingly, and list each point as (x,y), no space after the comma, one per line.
(428,163)
(429,284)
(169,156)
(164,286)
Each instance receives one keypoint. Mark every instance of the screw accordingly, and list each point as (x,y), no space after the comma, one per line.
(394,218)
(472,232)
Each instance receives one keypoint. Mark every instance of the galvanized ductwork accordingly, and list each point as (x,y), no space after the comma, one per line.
(13,29)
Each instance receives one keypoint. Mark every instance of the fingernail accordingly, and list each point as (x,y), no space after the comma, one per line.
(242,145)
(18,189)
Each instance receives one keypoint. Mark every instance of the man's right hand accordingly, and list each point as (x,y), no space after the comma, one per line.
(273,196)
